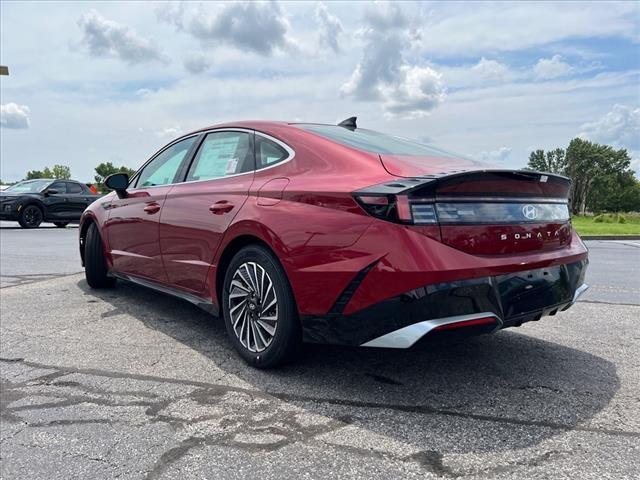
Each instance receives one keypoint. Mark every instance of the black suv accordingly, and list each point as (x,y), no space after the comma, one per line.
(32,202)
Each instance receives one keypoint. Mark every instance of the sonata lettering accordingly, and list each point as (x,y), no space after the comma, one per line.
(529,235)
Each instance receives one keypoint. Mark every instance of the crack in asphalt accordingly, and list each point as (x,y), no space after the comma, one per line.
(26,279)
(217,390)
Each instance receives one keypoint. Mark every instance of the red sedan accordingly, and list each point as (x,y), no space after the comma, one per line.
(300,232)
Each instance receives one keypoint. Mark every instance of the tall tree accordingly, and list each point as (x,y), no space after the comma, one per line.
(589,163)
(61,172)
(32,174)
(553,161)
(602,179)
(107,168)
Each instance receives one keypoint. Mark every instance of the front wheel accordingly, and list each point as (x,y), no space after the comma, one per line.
(259,309)
(31,217)
(95,264)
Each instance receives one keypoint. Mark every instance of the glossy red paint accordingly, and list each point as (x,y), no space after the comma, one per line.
(132,230)
(503,239)
(305,212)
(191,232)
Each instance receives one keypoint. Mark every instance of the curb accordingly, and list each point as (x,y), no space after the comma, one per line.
(609,237)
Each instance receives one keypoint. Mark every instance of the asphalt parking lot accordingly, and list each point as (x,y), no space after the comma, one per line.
(130,383)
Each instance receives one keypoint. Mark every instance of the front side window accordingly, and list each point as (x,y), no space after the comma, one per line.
(269,153)
(73,188)
(59,187)
(163,168)
(222,154)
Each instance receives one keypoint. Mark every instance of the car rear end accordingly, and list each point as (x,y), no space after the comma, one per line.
(455,247)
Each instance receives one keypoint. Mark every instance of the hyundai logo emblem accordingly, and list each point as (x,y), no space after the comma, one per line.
(530,212)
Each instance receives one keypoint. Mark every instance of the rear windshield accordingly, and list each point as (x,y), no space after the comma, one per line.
(376,142)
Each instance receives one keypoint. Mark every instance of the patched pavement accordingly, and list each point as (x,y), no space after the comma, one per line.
(130,383)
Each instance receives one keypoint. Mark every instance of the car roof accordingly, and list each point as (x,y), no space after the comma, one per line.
(254,125)
(51,180)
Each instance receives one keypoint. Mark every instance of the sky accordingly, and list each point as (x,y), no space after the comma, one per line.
(92,82)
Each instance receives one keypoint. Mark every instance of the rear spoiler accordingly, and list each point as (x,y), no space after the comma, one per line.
(480,182)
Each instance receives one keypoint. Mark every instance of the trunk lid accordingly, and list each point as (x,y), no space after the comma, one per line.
(484,211)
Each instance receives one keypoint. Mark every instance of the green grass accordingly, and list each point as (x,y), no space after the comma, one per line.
(608,224)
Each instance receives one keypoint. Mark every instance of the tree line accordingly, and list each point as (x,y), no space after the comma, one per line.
(602,178)
(62,172)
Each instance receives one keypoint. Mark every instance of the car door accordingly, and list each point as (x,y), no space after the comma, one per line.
(198,211)
(56,202)
(132,227)
(77,200)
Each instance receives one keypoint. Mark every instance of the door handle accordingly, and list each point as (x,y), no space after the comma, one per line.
(152,208)
(223,206)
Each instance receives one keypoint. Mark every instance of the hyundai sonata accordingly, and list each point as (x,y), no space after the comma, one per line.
(298,232)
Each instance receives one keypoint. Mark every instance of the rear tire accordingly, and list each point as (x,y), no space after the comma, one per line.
(95,265)
(259,309)
(31,216)
(61,224)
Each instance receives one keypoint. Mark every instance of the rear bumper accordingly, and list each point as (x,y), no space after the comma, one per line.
(508,300)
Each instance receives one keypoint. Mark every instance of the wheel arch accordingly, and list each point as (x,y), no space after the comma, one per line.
(37,203)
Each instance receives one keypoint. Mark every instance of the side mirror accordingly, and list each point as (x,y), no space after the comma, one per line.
(118,182)
(51,191)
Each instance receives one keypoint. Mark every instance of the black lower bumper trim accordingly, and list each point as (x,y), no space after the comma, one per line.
(514,298)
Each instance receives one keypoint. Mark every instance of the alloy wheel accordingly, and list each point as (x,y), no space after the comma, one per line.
(253,307)
(32,216)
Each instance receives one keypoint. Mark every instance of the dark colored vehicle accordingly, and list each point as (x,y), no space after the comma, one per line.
(324,233)
(45,200)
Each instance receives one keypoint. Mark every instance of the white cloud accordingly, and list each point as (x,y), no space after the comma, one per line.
(329,28)
(106,38)
(169,132)
(553,67)
(196,63)
(260,27)
(383,74)
(417,92)
(489,69)
(500,155)
(14,116)
(619,127)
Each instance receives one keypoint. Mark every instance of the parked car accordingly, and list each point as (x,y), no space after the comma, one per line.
(321,233)
(32,202)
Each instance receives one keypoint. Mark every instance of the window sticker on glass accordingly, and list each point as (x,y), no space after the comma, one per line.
(232,164)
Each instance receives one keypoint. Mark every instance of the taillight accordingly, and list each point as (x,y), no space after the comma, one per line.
(399,209)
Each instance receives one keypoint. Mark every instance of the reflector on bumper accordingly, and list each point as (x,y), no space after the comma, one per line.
(409,335)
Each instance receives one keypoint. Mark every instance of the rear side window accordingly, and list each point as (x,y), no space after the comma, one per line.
(163,168)
(376,142)
(73,188)
(222,154)
(269,152)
